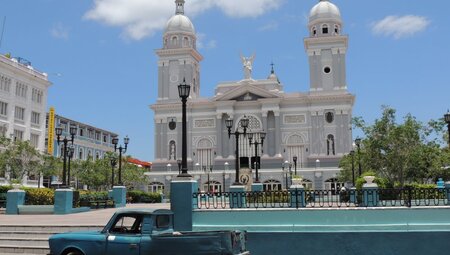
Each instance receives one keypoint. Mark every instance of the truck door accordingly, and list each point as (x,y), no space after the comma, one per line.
(124,236)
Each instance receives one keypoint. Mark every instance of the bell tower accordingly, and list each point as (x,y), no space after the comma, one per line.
(178,59)
(326,48)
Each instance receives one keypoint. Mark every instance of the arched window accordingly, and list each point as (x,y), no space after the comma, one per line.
(156,187)
(204,153)
(314,31)
(295,146)
(333,185)
(80,154)
(172,150)
(89,156)
(330,145)
(336,29)
(270,185)
(308,184)
(254,125)
(324,29)
(185,41)
(212,186)
(97,155)
(174,40)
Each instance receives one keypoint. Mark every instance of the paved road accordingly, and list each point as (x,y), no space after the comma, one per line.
(91,218)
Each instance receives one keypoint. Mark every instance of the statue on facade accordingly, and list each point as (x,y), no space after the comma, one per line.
(247,63)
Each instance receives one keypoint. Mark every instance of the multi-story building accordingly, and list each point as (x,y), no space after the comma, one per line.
(89,141)
(23,101)
(313,126)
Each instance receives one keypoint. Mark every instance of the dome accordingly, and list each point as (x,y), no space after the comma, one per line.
(180,23)
(324,10)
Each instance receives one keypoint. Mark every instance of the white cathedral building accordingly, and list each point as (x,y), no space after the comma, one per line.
(313,126)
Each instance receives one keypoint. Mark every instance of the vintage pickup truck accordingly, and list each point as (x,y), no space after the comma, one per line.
(146,232)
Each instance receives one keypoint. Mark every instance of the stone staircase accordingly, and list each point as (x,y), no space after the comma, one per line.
(32,240)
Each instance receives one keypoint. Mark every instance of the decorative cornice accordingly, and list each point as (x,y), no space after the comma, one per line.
(180,51)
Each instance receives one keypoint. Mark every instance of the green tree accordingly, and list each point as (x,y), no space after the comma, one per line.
(399,152)
(19,158)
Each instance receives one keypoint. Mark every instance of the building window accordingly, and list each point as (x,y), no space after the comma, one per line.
(334,185)
(80,154)
(18,135)
(97,136)
(336,29)
(325,29)
(204,153)
(5,83)
(21,90)
(212,186)
(34,140)
(19,113)
(308,184)
(156,187)
(314,31)
(3,129)
(97,155)
(174,40)
(3,109)
(36,95)
(35,118)
(81,132)
(105,138)
(330,145)
(272,185)
(329,117)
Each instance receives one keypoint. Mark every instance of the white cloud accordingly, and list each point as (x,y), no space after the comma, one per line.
(60,31)
(400,26)
(142,18)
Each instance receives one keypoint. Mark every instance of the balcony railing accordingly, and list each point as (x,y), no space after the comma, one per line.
(404,197)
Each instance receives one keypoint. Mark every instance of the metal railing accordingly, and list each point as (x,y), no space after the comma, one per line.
(404,197)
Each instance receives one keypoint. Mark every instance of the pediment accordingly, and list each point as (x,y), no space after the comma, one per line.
(246,93)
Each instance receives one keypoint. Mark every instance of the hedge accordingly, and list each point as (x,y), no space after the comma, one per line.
(137,196)
(42,196)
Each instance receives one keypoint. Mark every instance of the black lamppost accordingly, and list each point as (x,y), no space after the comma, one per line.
(179,166)
(358,146)
(447,120)
(70,153)
(113,161)
(295,165)
(183,91)
(73,132)
(121,149)
(352,154)
(262,136)
(244,124)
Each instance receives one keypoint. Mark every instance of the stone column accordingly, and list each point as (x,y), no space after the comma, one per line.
(277,134)
(219,135)
(164,143)
(266,129)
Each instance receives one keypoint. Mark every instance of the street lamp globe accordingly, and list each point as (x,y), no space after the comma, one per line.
(115,140)
(58,130)
(73,130)
(229,123)
(358,141)
(262,135)
(126,140)
(244,122)
(184,89)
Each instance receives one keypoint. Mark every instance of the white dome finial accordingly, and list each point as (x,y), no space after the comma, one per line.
(179,6)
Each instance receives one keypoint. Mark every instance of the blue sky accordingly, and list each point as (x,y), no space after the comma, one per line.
(100,53)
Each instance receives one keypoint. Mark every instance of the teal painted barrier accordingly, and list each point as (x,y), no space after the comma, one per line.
(14,198)
(326,219)
(348,243)
(63,201)
(182,203)
(119,195)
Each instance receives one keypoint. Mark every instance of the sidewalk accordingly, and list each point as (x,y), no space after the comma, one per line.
(92,218)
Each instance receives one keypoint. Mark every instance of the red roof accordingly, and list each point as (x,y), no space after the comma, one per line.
(140,163)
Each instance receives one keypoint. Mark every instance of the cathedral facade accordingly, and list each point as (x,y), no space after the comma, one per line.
(314,127)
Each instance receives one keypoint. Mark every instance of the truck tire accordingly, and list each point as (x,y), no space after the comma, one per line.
(73,252)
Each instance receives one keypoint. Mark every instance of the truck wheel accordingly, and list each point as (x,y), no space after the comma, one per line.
(74,252)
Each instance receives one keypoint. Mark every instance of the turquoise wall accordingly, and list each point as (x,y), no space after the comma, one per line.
(348,243)
(346,231)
